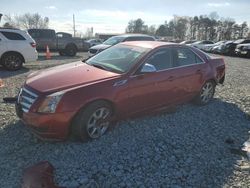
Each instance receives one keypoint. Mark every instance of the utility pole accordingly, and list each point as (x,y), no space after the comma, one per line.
(1,16)
(74,25)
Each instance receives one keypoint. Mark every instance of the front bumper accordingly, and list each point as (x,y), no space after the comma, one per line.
(241,52)
(47,126)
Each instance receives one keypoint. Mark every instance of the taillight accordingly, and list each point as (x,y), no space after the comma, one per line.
(33,44)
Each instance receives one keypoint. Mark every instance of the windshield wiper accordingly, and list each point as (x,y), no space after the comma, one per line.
(100,66)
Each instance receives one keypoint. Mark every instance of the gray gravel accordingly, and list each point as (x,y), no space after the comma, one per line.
(189,148)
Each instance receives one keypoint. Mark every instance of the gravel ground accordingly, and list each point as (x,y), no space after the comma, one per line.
(194,147)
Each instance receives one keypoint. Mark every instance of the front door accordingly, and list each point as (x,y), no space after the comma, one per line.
(152,89)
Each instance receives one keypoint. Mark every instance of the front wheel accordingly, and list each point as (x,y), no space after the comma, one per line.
(206,94)
(92,122)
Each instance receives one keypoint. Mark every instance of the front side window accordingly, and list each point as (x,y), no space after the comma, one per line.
(161,59)
(185,57)
(119,58)
(12,36)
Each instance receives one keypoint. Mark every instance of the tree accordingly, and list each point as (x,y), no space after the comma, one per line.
(8,25)
(137,26)
(180,28)
(152,30)
(28,21)
(162,31)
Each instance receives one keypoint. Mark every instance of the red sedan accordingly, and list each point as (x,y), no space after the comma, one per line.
(131,78)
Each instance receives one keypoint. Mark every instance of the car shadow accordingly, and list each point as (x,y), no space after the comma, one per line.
(189,148)
(6,74)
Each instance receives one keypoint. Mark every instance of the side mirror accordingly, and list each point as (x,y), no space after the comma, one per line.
(148,68)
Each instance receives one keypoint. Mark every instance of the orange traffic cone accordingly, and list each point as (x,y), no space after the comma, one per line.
(48,55)
(1,83)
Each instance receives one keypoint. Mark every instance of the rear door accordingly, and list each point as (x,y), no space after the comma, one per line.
(48,37)
(189,70)
(43,37)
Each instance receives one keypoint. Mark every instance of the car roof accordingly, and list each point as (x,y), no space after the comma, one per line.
(12,30)
(149,44)
(133,35)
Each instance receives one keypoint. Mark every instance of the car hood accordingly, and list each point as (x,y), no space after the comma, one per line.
(67,76)
(209,45)
(100,47)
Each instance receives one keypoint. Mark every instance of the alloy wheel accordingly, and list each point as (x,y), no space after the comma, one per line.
(97,125)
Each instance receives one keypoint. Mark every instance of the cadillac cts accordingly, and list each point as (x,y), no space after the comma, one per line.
(128,79)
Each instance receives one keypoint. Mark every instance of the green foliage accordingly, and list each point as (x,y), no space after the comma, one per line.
(201,27)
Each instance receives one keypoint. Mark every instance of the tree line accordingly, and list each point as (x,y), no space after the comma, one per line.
(193,28)
(26,21)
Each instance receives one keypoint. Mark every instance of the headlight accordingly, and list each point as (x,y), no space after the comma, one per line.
(50,103)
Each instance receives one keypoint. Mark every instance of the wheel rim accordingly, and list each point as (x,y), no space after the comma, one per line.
(207,92)
(71,51)
(97,125)
(12,62)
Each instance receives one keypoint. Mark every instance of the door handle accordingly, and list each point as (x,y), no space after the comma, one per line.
(170,78)
(198,71)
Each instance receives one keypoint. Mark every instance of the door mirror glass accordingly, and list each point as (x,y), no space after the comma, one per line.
(148,68)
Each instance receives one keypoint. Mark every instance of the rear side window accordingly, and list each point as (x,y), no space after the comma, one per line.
(147,38)
(42,34)
(12,36)
(184,57)
(139,39)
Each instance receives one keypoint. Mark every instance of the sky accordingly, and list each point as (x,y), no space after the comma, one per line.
(112,16)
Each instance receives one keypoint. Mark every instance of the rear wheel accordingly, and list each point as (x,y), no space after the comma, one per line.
(206,94)
(12,61)
(71,50)
(92,122)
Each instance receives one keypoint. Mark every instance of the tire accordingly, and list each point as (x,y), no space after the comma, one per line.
(88,122)
(12,61)
(206,93)
(62,53)
(70,50)
(248,54)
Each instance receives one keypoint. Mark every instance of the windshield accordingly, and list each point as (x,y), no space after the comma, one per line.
(198,42)
(218,43)
(119,58)
(113,40)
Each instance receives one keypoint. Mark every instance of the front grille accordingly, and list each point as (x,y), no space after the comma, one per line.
(93,51)
(26,98)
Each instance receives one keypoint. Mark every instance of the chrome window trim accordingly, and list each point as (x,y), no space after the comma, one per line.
(203,62)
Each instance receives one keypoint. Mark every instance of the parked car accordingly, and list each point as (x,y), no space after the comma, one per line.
(16,47)
(229,48)
(93,42)
(200,44)
(117,39)
(220,48)
(243,50)
(188,42)
(125,80)
(62,42)
(209,47)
